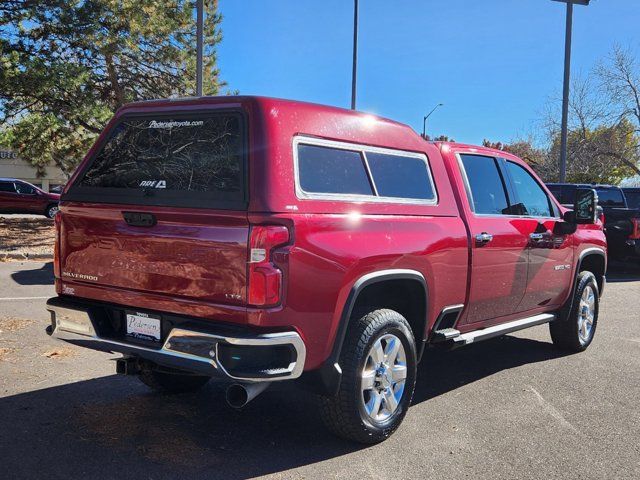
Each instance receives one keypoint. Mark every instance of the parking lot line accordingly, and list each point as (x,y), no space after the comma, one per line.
(10,299)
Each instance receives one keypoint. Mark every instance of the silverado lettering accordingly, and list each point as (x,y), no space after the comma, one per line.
(80,276)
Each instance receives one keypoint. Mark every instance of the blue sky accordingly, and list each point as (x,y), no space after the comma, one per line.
(493,63)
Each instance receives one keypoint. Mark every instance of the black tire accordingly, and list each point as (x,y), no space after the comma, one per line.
(51,210)
(565,330)
(170,382)
(344,414)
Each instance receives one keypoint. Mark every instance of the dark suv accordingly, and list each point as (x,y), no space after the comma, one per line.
(256,240)
(18,196)
(621,219)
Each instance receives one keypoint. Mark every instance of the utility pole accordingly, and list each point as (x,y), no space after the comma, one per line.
(199,45)
(564,131)
(354,71)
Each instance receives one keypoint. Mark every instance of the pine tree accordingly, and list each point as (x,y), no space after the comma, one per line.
(67,65)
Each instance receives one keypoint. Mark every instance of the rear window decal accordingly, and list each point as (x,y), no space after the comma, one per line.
(174,123)
(153,183)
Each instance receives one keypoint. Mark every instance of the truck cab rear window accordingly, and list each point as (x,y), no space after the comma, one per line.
(195,160)
(610,197)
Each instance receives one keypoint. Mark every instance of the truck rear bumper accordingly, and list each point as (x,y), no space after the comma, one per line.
(247,358)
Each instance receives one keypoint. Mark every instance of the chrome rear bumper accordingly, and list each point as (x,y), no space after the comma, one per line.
(185,349)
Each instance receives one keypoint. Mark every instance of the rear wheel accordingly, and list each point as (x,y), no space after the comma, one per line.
(379,374)
(165,381)
(51,210)
(575,332)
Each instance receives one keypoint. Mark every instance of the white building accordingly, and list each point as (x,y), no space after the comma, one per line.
(11,166)
(631,182)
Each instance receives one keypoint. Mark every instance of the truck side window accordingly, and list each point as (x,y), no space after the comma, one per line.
(400,177)
(332,170)
(532,199)
(486,193)
(381,174)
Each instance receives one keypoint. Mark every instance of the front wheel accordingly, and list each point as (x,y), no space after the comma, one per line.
(51,211)
(378,363)
(575,332)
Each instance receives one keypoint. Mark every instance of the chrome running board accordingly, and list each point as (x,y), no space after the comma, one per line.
(502,329)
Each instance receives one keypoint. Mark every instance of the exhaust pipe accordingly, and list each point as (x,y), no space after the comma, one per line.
(239,394)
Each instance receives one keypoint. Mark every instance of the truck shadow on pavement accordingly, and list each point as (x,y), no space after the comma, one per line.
(444,371)
(37,276)
(112,427)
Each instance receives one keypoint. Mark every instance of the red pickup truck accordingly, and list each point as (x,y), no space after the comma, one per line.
(257,240)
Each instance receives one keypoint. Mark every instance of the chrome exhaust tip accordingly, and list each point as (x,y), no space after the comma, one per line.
(239,394)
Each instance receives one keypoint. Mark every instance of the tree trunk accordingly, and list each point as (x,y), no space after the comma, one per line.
(118,93)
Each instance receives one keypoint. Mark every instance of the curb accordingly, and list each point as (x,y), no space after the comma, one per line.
(7,257)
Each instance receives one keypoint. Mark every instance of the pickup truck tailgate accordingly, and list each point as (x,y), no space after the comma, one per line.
(199,256)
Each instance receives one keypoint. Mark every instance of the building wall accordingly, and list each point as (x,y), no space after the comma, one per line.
(11,166)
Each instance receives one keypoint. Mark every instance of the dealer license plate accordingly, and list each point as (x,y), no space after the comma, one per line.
(143,325)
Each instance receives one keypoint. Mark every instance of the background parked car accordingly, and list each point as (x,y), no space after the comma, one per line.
(621,219)
(17,196)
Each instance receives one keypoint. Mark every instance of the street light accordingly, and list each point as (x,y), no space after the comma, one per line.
(355,55)
(424,120)
(565,87)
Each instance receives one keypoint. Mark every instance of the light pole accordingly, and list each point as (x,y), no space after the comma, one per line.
(424,120)
(565,86)
(199,45)
(354,68)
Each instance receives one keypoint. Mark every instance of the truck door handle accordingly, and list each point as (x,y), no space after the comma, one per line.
(483,238)
(538,237)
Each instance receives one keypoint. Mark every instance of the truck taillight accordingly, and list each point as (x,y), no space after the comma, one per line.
(56,246)
(265,278)
(635,230)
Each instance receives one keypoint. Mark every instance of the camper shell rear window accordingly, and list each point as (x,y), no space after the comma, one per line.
(184,160)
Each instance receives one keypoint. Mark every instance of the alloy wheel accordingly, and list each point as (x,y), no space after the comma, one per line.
(586,314)
(383,377)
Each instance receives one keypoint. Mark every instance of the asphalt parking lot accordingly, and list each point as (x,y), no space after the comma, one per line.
(507,408)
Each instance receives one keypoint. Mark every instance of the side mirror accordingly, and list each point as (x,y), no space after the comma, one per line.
(568,227)
(585,207)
